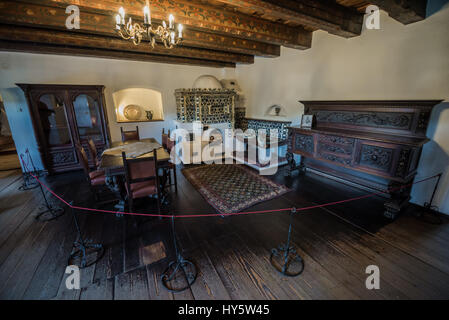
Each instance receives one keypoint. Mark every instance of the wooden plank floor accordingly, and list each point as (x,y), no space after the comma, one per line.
(337,244)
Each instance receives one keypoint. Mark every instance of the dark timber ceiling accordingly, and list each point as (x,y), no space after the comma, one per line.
(219,33)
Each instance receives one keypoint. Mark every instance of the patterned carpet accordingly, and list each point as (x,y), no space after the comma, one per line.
(230,187)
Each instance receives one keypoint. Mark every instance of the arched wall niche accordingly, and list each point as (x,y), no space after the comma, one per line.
(138,105)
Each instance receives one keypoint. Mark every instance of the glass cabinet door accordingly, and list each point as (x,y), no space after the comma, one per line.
(53,116)
(88,118)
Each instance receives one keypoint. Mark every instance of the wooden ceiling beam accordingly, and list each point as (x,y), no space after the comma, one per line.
(14,46)
(325,15)
(71,39)
(405,11)
(38,15)
(196,15)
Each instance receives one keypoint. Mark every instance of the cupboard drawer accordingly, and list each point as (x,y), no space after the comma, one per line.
(304,143)
(376,157)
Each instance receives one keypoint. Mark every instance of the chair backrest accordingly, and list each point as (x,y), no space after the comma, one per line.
(130,135)
(82,156)
(170,144)
(141,169)
(164,139)
(93,151)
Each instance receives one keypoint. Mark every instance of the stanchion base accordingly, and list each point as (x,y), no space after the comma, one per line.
(86,255)
(180,268)
(28,186)
(50,214)
(292,266)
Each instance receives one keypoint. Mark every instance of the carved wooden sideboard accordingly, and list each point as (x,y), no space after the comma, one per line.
(374,145)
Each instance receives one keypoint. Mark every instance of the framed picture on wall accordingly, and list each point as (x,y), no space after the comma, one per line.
(307,121)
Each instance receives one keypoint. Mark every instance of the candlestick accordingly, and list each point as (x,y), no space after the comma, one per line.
(117,21)
(146,15)
(180,27)
(121,11)
(170,21)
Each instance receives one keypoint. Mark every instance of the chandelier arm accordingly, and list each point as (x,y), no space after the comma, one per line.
(124,33)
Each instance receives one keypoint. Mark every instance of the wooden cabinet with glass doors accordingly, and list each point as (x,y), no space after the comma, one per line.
(63,115)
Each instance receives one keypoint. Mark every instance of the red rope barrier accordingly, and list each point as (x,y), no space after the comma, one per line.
(219,214)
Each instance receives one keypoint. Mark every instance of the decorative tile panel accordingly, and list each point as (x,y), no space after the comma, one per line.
(206,105)
(268,125)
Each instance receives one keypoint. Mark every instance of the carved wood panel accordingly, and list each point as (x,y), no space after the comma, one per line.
(304,143)
(336,139)
(403,162)
(392,117)
(370,119)
(63,158)
(376,157)
(333,148)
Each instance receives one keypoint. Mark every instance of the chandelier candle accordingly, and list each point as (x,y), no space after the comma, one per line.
(121,11)
(171,19)
(146,15)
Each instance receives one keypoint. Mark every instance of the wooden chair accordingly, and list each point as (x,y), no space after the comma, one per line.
(130,135)
(168,145)
(142,179)
(93,152)
(95,178)
(165,138)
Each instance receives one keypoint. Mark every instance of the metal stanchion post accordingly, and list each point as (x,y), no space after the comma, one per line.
(86,253)
(429,214)
(181,266)
(50,212)
(284,258)
(28,181)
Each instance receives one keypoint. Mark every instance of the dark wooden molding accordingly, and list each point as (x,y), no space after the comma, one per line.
(14,46)
(72,39)
(218,32)
(36,14)
(196,15)
(405,11)
(324,15)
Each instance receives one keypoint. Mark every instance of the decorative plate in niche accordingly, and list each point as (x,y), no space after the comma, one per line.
(132,112)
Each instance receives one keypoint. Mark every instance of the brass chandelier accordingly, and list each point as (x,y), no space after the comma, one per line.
(134,32)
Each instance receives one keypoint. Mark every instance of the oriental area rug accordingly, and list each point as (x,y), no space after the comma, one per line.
(232,187)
